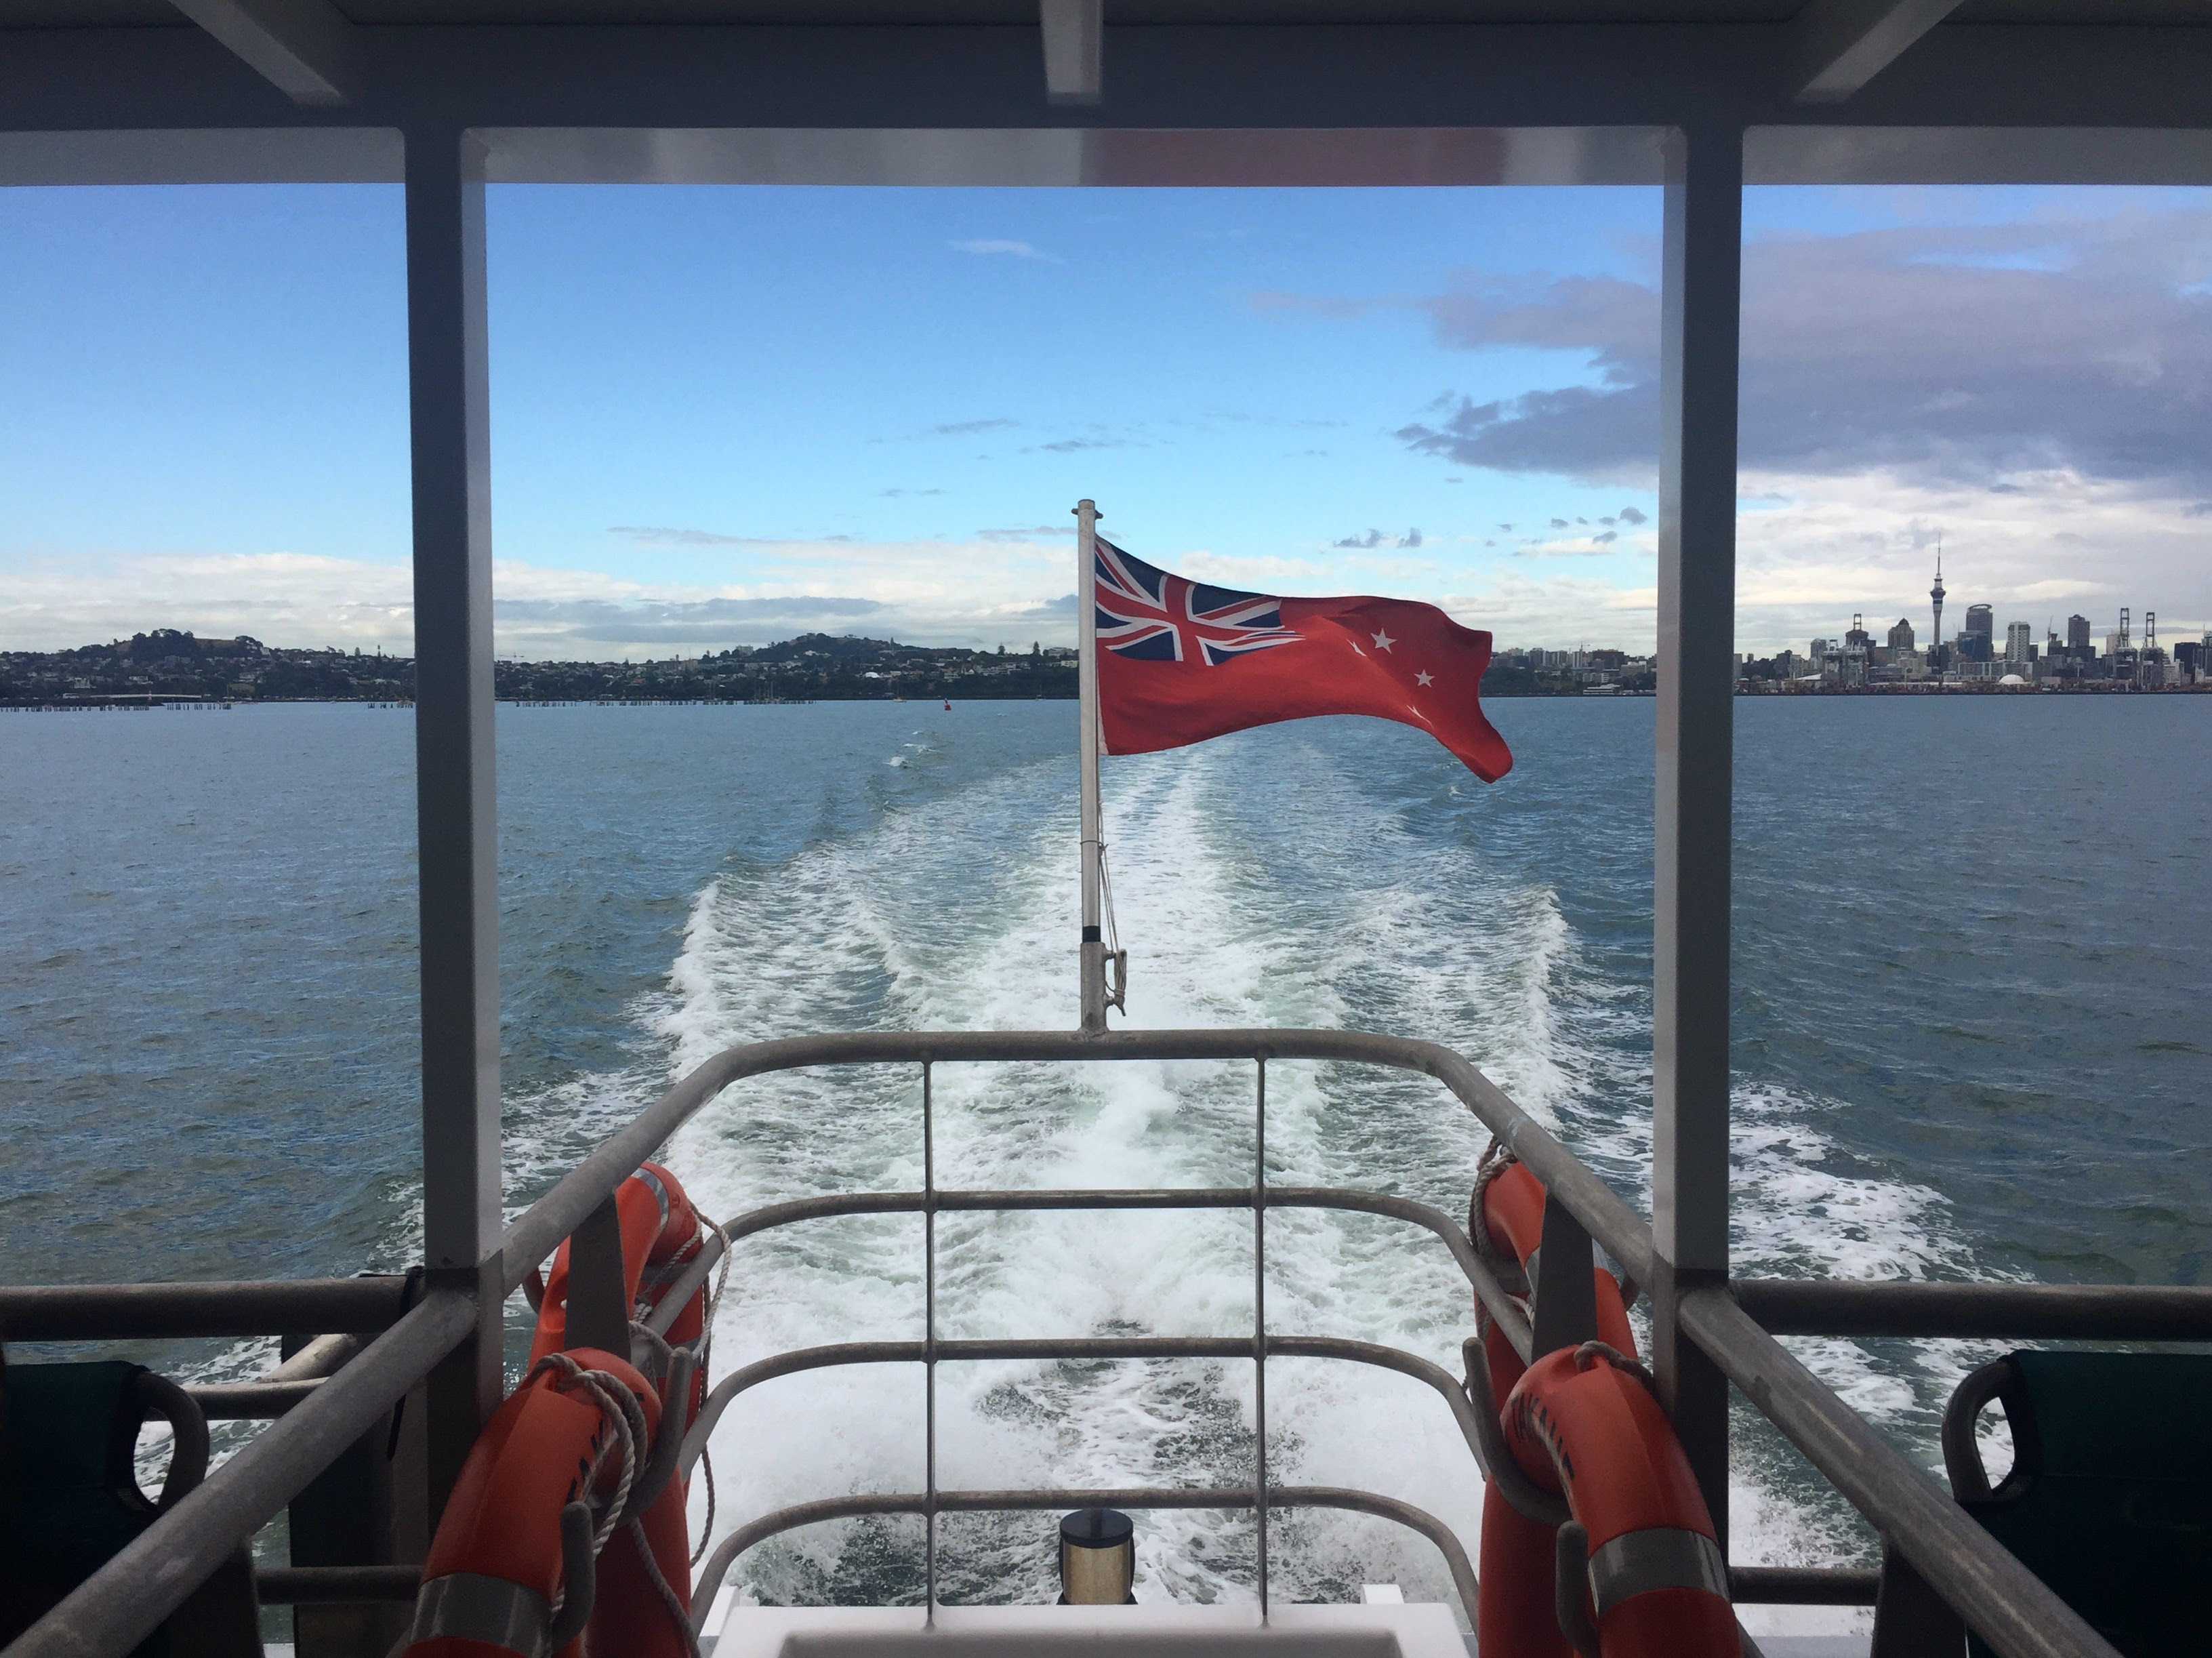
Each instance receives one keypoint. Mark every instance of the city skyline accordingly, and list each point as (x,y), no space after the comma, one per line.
(2130,622)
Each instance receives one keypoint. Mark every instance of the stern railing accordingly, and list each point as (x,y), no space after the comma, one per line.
(392,1332)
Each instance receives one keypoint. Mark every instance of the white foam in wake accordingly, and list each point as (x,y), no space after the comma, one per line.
(1245,901)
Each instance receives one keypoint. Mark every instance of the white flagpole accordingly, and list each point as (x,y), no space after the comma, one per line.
(1093,971)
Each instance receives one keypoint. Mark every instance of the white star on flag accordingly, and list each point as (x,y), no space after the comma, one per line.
(1423,678)
(1384,642)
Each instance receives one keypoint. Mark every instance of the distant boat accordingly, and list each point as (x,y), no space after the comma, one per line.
(948,704)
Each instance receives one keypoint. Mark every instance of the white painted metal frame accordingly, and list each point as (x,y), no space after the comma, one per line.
(456,769)
(1699,287)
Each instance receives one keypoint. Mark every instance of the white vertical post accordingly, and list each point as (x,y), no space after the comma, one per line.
(1093,962)
(1700,305)
(929,1345)
(1260,1326)
(458,865)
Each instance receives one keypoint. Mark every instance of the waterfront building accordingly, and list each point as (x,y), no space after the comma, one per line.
(2077,633)
(2020,643)
(1900,637)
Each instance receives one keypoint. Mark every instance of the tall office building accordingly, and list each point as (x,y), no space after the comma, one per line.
(1900,637)
(2020,643)
(2077,633)
(1979,638)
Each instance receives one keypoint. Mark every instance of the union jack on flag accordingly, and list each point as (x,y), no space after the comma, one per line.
(1147,615)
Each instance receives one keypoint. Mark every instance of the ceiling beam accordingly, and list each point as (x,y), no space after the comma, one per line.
(1841,45)
(1074,39)
(304,48)
(2146,87)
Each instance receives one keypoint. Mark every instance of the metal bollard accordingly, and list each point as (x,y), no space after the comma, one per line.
(1097,1559)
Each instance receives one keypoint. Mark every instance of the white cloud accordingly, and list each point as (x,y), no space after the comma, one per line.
(285,598)
(1558,612)
(1811,551)
(1020,250)
(977,592)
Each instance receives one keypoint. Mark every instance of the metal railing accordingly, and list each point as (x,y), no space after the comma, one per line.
(932,1349)
(407,1331)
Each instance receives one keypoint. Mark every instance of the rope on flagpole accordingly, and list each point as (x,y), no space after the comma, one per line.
(1117,981)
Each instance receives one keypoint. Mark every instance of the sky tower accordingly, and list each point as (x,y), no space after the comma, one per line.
(1935,597)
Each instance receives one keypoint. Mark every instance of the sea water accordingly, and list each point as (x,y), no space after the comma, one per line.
(1971,1029)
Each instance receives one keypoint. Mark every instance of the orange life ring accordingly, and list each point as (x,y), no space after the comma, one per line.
(1581,1423)
(1513,1213)
(661,1235)
(499,1566)
(1517,1605)
(1513,1611)
(657,1222)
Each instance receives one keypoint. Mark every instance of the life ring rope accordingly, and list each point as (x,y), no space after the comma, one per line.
(626,1417)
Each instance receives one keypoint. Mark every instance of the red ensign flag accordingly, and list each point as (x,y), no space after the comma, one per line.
(1179,662)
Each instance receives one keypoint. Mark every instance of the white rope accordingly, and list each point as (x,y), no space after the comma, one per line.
(714,1295)
(706,1530)
(1591,1351)
(676,1614)
(1496,1160)
(624,1415)
(1106,891)
(706,1352)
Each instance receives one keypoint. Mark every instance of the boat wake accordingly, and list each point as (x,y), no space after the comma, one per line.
(954,913)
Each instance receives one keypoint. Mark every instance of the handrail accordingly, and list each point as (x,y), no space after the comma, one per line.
(129,1597)
(796,1360)
(1803,1585)
(140,1312)
(1502,1307)
(126,1601)
(538,1231)
(718,1564)
(2021,1312)
(249,1401)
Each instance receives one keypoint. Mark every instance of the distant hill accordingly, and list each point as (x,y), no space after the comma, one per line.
(812,668)
(838,648)
(815,667)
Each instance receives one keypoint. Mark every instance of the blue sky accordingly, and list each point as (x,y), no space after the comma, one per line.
(723,415)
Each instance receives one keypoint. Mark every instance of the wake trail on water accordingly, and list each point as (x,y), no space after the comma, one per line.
(1318,905)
